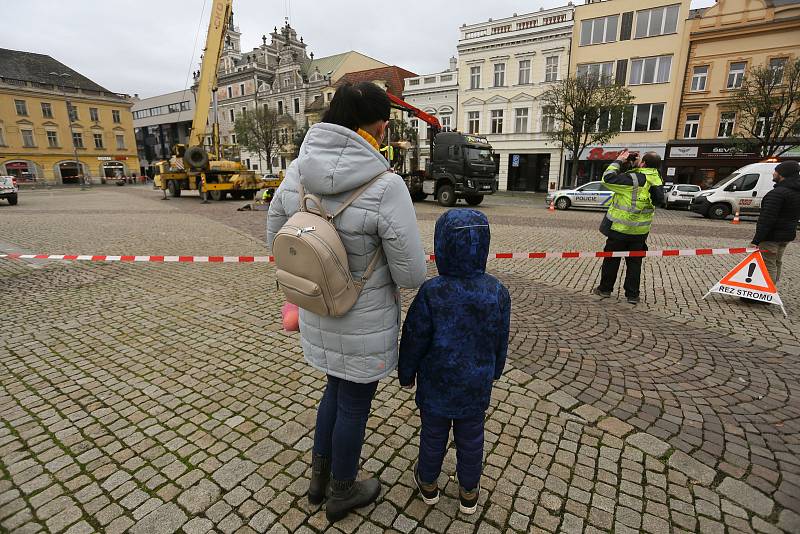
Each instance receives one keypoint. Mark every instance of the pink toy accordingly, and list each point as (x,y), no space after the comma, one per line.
(291,317)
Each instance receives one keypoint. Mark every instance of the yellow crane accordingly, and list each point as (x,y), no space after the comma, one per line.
(198,166)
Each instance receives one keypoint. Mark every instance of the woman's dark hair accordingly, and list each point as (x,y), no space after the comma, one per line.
(354,106)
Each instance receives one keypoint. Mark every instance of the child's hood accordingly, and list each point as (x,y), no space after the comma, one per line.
(461,243)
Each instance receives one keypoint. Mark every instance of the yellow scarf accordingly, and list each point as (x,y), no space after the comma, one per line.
(369,139)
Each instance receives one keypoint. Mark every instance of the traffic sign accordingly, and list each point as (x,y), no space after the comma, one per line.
(751,280)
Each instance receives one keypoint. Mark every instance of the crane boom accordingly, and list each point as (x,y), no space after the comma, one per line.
(220,14)
(399,103)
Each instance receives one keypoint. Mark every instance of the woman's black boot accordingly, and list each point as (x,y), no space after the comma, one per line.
(347,495)
(320,477)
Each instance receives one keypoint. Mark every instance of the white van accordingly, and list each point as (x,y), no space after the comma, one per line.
(744,188)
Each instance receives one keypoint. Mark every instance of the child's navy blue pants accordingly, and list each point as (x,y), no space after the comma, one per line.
(468,434)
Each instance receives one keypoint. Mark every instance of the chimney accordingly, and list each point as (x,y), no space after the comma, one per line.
(453,63)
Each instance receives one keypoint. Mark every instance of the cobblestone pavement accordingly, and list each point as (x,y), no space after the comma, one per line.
(156,398)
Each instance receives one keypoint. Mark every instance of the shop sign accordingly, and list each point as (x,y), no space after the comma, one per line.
(120,158)
(103,158)
(603,155)
(683,152)
(515,160)
(670,171)
(17,166)
(726,152)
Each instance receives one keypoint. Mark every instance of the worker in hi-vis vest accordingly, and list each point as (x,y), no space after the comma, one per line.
(637,189)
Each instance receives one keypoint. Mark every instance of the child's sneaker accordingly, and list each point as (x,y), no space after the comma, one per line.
(468,500)
(428,492)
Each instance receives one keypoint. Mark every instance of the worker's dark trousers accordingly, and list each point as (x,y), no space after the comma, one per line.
(633,266)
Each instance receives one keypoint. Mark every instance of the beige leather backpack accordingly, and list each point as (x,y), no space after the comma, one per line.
(311,261)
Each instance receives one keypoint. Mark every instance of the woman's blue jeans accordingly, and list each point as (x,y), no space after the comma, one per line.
(341,423)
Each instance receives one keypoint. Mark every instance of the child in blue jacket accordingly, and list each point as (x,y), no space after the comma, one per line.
(454,344)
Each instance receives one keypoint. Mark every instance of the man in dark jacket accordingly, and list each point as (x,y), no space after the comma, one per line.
(454,345)
(777,222)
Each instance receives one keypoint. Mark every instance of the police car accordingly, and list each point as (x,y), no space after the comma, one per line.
(591,195)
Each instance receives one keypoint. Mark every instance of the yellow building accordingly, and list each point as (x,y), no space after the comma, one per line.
(639,44)
(39,142)
(725,41)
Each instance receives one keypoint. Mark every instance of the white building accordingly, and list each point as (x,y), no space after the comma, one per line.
(504,66)
(437,95)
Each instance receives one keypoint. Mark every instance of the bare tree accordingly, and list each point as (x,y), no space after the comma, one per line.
(767,107)
(583,110)
(257,131)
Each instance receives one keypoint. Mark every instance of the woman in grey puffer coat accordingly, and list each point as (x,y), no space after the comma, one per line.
(339,155)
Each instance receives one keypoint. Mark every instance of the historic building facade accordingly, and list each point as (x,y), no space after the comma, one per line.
(437,95)
(283,76)
(503,67)
(639,44)
(724,42)
(57,126)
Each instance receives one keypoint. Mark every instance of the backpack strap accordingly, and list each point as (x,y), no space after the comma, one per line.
(373,264)
(357,193)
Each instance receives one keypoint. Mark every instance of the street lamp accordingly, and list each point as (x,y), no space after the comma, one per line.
(71,131)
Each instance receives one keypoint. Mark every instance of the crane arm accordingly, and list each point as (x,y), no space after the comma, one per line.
(220,14)
(399,103)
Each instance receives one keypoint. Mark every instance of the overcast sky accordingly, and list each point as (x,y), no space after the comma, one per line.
(146,46)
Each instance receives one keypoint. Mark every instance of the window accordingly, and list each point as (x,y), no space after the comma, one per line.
(2,138)
(27,138)
(244,111)
(230,92)
(280,107)
(430,79)
(763,124)
(414,124)
(120,142)
(548,119)
(287,80)
(474,121)
(777,66)
(447,123)
(241,89)
(521,120)
(600,71)
(650,70)
(643,118)
(98,140)
(233,138)
(599,30)
(627,26)
(551,69)
(699,78)
(73,112)
(475,78)
(77,139)
(746,182)
(52,139)
(296,106)
(447,78)
(525,71)
(47,110)
(232,115)
(499,74)
(727,121)
(413,82)
(22,107)
(736,75)
(657,21)
(115,116)
(497,121)
(93,115)
(691,126)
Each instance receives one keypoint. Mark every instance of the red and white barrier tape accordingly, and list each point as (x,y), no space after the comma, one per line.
(500,256)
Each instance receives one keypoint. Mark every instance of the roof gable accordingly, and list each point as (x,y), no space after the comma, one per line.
(393,76)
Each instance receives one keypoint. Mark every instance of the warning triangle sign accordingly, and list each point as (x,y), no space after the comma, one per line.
(750,280)
(751,274)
